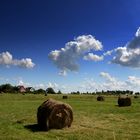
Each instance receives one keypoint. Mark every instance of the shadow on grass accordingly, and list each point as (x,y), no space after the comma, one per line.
(33,127)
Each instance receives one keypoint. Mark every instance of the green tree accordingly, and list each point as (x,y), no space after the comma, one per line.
(59,92)
(6,88)
(50,90)
(40,91)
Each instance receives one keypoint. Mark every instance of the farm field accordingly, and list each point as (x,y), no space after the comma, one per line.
(93,120)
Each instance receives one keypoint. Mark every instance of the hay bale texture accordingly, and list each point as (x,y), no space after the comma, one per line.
(54,114)
(100,98)
(124,101)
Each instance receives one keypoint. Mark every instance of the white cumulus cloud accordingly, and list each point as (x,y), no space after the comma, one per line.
(129,55)
(93,57)
(66,59)
(6,58)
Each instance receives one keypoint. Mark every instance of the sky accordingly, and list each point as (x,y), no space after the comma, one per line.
(73,45)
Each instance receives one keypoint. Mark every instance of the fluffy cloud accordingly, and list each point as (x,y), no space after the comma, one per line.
(66,59)
(7,59)
(25,63)
(93,57)
(129,55)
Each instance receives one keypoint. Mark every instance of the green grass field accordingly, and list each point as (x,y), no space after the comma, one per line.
(92,120)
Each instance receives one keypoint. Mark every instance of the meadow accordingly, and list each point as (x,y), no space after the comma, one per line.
(93,120)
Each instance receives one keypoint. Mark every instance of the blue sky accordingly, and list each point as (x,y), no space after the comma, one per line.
(32,33)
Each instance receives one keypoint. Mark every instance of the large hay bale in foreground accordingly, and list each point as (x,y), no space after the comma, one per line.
(54,114)
(124,101)
(100,98)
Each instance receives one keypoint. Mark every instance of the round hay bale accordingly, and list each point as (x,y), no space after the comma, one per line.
(100,98)
(136,96)
(65,97)
(124,101)
(54,114)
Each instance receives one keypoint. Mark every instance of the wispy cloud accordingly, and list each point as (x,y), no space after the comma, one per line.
(66,59)
(133,81)
(63,73)
(108,53)
(20,82)
(111,82)
(6,59)
(107,76)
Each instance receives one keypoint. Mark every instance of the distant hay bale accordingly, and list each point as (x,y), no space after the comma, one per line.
(100,98)
(124,101)
(136,96)
(65,97)
(54,114)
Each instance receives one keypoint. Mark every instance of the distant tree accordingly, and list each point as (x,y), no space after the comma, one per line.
(78,92)
(15,89)
(131,92)
(137,93)
(50,90)
(40,91)
(103,92)
(6,88)
(59,92)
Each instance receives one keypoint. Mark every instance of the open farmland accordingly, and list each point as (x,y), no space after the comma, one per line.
(93,120)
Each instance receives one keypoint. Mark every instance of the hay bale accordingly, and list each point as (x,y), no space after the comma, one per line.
(65,97)
(124,101)
(54,114)
(100,98)
(136,96)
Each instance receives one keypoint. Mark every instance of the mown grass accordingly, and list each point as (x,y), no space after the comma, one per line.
(92,120)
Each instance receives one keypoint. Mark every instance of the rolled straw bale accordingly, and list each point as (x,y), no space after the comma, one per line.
(124,101)
(54,114)
(65,97)
(100,98)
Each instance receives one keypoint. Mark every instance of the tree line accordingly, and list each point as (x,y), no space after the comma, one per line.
(108,92)
(8,88)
